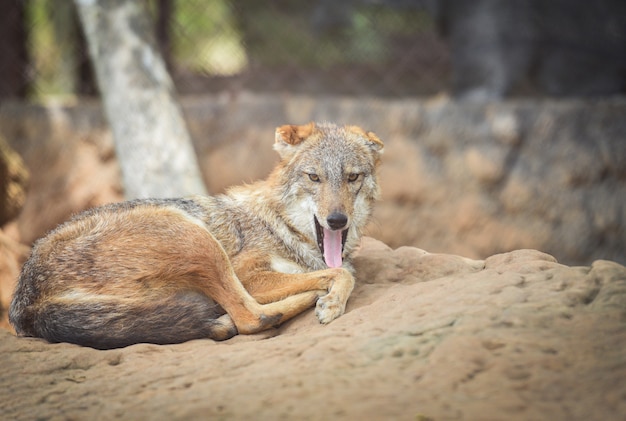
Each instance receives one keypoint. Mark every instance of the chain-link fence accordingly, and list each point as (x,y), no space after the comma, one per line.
(478,49)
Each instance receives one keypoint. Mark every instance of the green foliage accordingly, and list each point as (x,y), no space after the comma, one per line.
(226,37)
(206,38)
(44,51)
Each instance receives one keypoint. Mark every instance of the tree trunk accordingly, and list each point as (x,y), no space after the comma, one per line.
(152,143)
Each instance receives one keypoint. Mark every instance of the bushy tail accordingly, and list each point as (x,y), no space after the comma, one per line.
(110,323)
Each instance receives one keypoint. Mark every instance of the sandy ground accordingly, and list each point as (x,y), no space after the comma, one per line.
(425,337)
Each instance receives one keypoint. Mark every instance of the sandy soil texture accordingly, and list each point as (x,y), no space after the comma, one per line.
(517,336)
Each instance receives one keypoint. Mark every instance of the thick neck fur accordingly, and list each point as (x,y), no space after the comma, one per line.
(271,201)
(325,170)
(289,212)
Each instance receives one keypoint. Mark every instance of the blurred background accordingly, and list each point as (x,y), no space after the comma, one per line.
(392,48)
(504,121)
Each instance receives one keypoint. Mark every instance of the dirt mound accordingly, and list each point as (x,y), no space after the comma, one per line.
(425,336)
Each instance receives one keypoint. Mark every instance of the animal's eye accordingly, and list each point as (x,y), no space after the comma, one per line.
(314,177)
(353,177)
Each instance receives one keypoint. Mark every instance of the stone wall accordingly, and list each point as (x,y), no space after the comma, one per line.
(467,179)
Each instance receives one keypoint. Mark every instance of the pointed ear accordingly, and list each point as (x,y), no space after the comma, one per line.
(289,136)
(375,144)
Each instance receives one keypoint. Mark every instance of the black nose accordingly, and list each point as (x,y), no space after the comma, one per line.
(337,221)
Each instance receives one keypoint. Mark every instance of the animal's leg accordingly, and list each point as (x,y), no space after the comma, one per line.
(333,304)
(251,317)
(202,265)
(268,287)
(247,314)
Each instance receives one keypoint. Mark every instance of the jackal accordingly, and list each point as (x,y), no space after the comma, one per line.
(171,270)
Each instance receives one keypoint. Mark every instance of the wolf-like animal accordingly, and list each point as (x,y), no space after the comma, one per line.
(171,270)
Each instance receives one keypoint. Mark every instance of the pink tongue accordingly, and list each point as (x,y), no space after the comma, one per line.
(332,248)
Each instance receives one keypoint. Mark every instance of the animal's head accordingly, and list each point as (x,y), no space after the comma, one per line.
(329,183)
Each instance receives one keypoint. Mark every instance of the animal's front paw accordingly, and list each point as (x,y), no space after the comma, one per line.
(329,307)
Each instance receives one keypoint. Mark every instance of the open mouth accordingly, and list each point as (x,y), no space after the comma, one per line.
(331,244)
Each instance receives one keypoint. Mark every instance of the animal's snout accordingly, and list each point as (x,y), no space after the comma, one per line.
(337,220)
